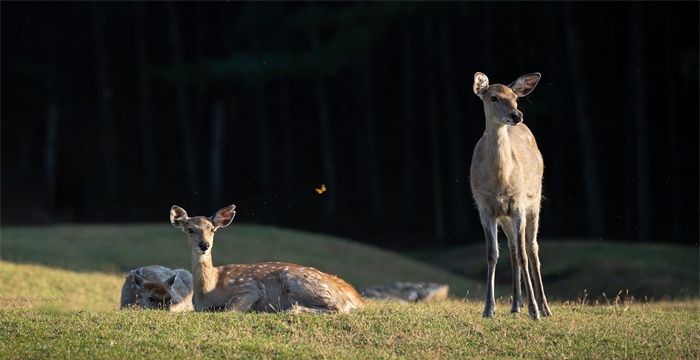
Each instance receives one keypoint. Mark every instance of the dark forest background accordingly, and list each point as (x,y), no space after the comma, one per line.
(113,112)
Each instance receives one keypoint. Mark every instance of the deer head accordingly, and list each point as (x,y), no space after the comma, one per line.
(200,229)
(500,101)
(154,294)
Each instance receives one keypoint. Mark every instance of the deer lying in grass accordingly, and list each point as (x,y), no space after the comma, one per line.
(506,182)
(269,287)
(157,287)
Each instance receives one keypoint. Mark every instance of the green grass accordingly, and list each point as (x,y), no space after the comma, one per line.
(569,268)
(449,329)
(39,287)
(59,291)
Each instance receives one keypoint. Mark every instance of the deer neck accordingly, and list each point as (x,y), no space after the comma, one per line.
(498,150)
(204,276)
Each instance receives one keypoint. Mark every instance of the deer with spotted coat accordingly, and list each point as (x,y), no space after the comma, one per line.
(506,182)
(268,287)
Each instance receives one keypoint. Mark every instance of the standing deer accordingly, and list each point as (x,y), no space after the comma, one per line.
(270,286)
(506,182)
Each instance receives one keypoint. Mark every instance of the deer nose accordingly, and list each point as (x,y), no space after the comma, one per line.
(517,117)
(203,246)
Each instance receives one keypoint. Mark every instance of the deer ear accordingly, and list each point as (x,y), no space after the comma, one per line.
(224,216)
(525,84)
(171,280)
(481,83)
(138,279)
(178,216)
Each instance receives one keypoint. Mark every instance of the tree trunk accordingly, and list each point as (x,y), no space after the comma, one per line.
(148,166)
(434,138)
(199,107)
(183,109)
(108,139)
(370,136)
(487,48)
(361,182)
(288,136)
(323,113)
(408,184)
(264,141)
(589,171)
(639,123)
(50,157)
(672,118)
(458,179)
(217,131)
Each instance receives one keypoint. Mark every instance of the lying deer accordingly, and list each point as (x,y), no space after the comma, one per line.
(157,287)
(269,287)
(506,182)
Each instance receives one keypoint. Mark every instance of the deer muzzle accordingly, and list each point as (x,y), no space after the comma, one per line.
(203,246)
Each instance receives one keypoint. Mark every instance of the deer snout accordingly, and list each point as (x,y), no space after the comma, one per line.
(203,246)
(516,116)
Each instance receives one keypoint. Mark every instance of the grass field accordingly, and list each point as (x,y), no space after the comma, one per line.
(450,329)
(59,289)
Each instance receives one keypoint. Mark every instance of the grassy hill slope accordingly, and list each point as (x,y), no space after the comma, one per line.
(114,249)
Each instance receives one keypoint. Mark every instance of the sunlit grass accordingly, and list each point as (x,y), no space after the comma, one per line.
(449,329)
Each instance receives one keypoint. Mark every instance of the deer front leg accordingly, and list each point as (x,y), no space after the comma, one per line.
(507,227)
(519,230)
(242,302)
(491,233)
(244,296)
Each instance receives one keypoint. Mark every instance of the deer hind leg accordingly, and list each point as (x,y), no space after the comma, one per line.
(519,229)
(533,251)
(309,292)
(491,233)
(507,227)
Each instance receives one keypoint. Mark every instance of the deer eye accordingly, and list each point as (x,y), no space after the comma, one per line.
(190,231)
(494,99)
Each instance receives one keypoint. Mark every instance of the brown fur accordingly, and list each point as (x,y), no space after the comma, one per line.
(506,182)
(271,286)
